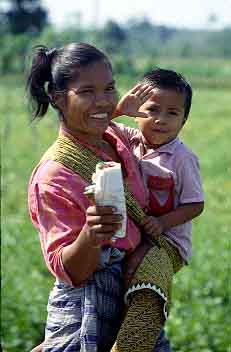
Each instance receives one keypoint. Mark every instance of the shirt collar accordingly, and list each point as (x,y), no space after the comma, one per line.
(165,148)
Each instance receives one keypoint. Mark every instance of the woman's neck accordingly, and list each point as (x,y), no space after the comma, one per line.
(93,140)
(97,142)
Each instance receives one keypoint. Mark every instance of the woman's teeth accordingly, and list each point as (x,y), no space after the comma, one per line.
(103,115)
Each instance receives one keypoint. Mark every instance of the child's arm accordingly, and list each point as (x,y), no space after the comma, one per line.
(181,214)
(130,103)
(156,226)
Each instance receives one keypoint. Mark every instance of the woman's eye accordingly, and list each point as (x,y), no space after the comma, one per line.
(173,113)
(110,89)
(85,91)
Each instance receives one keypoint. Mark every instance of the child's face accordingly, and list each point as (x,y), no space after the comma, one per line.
(165,111)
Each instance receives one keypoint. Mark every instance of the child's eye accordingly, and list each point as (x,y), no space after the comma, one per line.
(173,113)
(153,109)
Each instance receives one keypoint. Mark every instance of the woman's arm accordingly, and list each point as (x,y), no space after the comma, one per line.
(69,227)
(101,225)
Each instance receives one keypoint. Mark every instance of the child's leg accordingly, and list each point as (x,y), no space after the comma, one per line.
(145,315)
(143,322)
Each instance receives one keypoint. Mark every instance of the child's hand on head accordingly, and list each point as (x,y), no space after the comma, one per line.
(152,226)
(130,103)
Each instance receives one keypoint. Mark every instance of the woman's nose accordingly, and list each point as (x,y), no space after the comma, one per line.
(101,99)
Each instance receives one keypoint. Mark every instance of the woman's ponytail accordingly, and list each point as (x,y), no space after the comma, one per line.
(39,75)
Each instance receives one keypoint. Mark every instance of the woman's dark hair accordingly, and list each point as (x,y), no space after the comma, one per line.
(168,79)
(53,69)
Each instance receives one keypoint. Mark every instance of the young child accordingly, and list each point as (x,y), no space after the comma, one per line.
(171,174)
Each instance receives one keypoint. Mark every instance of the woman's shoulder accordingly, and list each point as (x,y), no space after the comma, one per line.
(54,173)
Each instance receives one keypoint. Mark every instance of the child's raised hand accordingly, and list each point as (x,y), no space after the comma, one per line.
(130,103)
(152,226)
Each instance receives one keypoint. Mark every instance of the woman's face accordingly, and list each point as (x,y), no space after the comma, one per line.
(90,101)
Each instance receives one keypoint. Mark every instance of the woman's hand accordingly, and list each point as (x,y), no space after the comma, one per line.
(101,224)
(130,103)
(152,226)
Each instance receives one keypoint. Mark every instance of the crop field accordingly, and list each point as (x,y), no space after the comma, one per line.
(200,318)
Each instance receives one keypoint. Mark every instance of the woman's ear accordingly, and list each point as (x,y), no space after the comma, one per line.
(57,101)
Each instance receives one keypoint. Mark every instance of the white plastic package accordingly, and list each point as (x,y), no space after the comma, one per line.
(109,190)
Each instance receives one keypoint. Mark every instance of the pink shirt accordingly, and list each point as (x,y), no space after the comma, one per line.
(57,204)
(171,160)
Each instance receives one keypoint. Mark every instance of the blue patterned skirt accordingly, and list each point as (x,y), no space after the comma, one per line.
(85,318)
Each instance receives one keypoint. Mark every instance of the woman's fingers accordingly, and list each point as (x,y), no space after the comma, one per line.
(102,222)
(102,215)
(102,228)
(101,232)
(100,210)
(104,219)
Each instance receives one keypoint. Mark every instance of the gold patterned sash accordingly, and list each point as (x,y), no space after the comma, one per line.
(82,161)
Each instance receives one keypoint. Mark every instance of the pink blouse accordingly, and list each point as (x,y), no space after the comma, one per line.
(57,204)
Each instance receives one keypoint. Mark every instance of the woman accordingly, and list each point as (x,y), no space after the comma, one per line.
(85,304)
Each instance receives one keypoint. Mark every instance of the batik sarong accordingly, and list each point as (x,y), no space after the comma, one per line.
(86,318)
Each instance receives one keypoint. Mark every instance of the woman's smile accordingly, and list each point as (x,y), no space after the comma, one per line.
(100,116)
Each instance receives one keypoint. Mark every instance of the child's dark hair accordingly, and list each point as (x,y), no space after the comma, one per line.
(168,79)
(53,69)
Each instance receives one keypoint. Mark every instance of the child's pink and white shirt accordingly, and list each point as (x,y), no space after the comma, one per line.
(170,161)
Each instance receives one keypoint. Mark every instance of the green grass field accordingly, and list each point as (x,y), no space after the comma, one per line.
(200,318)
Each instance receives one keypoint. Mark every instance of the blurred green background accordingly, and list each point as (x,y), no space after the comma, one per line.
(201,316)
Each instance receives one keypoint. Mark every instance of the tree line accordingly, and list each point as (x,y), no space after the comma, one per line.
(25,23)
